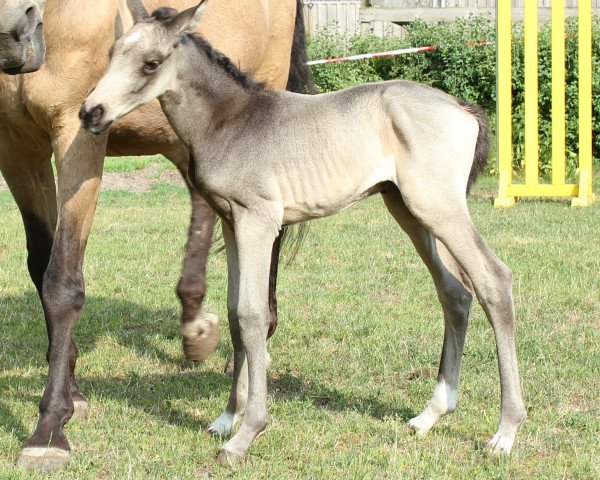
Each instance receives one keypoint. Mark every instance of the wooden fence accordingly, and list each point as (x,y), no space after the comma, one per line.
(386,17)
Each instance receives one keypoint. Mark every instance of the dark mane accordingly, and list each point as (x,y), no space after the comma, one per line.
(226,64)
(163,14)
(166,14)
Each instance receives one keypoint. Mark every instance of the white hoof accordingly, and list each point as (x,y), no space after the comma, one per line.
(501,444)
(421,424)
(223,425)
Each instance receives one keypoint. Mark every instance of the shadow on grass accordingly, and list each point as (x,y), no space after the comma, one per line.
(134,327)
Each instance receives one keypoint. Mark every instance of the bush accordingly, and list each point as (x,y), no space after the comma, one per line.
(466,69)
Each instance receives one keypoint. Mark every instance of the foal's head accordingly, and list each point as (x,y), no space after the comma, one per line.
(140,67)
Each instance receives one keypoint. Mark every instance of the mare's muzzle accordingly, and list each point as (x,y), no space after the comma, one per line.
(22,46)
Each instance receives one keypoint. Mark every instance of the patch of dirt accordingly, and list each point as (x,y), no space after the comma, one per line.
(139,181)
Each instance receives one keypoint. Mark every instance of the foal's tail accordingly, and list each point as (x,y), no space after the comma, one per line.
(482,148)
(300,79)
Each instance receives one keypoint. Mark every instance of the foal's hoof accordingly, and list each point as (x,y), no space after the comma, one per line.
(422,423)
(46,459)
(200,337)
(226,457)
(500,445)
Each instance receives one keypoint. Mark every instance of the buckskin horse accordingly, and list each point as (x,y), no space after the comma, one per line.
(42,85)
(264,160)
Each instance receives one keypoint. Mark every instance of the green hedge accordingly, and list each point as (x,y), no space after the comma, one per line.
(465,70)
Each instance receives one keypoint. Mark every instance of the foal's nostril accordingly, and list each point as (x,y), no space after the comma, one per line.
(96,114)
(91,117)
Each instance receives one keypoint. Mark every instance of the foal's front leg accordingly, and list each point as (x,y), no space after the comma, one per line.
(239,368)
(249,260)
(272,297)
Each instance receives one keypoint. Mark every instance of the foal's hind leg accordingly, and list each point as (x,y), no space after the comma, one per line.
(456,302)
(445,214)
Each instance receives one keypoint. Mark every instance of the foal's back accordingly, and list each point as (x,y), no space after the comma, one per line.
(320,154)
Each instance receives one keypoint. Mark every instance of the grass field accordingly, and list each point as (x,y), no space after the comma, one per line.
(358,318)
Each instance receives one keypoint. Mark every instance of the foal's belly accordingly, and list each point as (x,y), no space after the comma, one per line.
(332,186)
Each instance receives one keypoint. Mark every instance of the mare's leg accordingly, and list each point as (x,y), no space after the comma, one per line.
(445,215)
(253,241)
(199,329)
(455,297)
(29,176)
(28,173)
(79,158)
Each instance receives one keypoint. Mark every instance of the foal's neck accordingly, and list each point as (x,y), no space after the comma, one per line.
(205,98)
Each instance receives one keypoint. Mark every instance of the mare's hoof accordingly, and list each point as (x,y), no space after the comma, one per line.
(46,459)
(80,411)
(229,458)
(200,337)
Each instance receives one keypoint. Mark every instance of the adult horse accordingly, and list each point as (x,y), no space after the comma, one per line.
(38,117)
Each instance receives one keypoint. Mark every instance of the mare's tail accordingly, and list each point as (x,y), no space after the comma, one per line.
(482,148)
(300,79)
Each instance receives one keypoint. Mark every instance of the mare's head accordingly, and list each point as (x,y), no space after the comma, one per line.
(141,67)
(22,47)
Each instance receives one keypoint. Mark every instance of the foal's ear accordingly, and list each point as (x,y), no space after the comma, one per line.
(188,20)
(138,11)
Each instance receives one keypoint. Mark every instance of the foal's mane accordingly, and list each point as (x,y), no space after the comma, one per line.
(166,15)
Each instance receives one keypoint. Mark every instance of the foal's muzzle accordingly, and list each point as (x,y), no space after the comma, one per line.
(93,119)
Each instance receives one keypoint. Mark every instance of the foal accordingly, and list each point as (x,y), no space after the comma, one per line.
(268,159)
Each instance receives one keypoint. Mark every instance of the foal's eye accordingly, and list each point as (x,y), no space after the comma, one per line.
(151,66)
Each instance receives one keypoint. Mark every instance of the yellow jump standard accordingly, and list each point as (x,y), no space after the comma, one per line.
(507,191)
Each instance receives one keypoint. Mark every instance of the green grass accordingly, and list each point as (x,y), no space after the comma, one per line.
(129,164)
(132,164)
(358,314)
